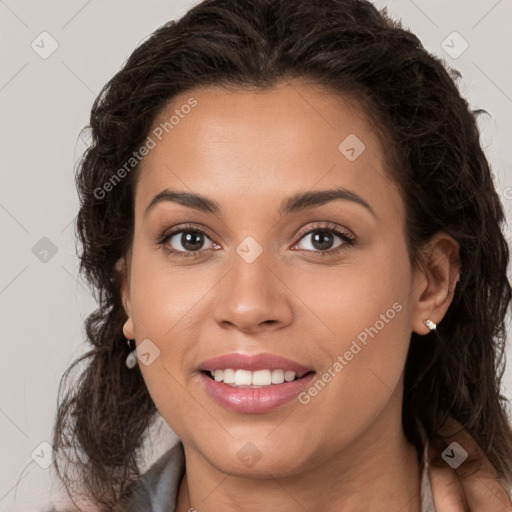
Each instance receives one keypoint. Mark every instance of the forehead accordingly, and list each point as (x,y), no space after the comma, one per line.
(242,145)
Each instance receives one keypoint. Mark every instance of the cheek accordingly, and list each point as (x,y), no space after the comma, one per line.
(165,297)
(366,299)
(363,311)
(167,308)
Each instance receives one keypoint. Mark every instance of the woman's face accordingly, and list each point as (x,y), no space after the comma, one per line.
(253,268)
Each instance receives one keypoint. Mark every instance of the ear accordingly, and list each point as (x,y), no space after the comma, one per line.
(122,268)
(434,282)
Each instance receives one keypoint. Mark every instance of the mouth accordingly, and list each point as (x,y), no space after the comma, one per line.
(239,378)
(253,383)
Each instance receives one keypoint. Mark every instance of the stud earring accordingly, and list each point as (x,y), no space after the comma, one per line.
(131,358)
(431,325)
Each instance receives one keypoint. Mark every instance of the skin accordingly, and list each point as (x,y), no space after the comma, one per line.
(249,151)
(474,486)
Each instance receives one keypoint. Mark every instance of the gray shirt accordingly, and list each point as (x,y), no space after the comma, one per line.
(157,489)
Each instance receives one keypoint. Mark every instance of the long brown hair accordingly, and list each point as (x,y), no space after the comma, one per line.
(435,156)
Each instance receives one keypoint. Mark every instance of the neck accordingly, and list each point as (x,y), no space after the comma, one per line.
(379,471)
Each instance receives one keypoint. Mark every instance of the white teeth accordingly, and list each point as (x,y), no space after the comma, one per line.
(262,378)
(277,376)
(256,378)
(289,376)
(243,378)
(229,376)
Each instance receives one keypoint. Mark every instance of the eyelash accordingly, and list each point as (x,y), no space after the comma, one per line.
(348,239)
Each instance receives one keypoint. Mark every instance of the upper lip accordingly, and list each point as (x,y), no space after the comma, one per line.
(252,362)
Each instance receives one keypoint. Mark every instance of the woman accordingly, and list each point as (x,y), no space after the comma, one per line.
(287,211)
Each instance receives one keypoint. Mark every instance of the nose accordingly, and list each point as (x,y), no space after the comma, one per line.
(253,297)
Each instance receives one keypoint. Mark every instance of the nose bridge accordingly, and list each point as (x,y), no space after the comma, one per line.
(251,297)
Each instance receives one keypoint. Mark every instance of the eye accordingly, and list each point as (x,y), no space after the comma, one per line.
(189,241)
(185,241)
(327,239)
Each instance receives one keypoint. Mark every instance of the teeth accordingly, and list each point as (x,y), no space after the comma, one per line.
(243,378)
(229,376)
(289,376)
(262,378)
(257,378)
(277,376)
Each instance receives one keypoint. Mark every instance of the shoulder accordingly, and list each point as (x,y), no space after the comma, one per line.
(159,485)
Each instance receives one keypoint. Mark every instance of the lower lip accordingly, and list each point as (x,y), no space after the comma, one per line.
(254,400)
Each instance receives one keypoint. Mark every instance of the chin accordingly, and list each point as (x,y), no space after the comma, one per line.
(255,457)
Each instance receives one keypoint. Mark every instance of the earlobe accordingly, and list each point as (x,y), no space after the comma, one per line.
(436,282)
(128,330)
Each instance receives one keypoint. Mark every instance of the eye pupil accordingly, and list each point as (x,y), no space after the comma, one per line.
(191,240)
(322,240)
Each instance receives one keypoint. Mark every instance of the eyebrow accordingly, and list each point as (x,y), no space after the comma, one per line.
(298,202)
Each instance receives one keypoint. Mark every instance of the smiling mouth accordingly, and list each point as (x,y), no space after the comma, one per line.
(239,378)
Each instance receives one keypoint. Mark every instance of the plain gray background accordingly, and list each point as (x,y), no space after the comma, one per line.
(44,104)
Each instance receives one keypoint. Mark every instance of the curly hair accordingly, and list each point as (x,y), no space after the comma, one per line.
(434,155)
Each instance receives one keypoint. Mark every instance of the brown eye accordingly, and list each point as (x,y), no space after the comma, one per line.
(185,241)
(326,240)
(189,240)
(321,240)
